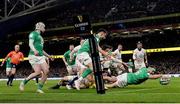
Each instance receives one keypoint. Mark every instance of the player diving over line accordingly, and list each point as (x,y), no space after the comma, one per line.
(133,78)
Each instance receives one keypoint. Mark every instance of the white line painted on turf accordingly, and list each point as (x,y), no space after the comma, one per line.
(67,93)
(136,90)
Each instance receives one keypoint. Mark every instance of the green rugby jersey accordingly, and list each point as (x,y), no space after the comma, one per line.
(138,77)
(8,63)
(86,47)
(67,57)
(38,42)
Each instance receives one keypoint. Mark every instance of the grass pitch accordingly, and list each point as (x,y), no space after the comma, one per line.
(150,91)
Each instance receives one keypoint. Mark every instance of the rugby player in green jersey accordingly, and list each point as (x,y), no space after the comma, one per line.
(70,64)
(8,70)
(83,56)
(132,78)
(37,57)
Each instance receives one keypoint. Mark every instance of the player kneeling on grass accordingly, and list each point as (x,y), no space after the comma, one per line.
(132,78)
(37,57)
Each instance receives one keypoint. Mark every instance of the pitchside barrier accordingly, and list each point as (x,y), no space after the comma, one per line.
(154,50)
(58,78)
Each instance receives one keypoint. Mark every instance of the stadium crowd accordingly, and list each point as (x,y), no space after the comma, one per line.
(110,10)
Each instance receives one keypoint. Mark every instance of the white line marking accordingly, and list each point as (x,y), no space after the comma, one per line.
(136,90)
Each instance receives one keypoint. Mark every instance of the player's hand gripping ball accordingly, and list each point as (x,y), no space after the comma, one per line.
(164,80)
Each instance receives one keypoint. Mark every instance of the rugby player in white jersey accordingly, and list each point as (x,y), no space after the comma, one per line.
(140,57)
(117,55)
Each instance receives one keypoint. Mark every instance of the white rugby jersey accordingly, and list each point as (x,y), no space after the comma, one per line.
(140,55)
(117,54)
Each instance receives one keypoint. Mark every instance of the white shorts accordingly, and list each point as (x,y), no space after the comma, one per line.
(121,80)
(8,69)
(82,60)
(72,69)
(71,77)
(115,64)
(139,65)
(106,64)
(36,59)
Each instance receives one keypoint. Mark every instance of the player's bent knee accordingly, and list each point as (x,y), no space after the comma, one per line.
(46,72)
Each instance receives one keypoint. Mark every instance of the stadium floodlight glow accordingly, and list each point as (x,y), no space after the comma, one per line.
(125,32)
(157,30)
(134,32)
(70,38)
(55,39)
(178,27)
(147,30)
(168,28)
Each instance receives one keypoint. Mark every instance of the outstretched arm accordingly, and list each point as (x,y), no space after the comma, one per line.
(156,76)
(102,51)
(111,85)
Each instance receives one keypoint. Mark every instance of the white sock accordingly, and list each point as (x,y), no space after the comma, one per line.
(120,72)
(130,70)
(80,78)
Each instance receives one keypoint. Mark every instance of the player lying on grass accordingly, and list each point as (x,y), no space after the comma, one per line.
(69,83)
(132,78)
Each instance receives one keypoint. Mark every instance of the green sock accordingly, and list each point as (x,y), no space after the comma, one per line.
(86,73)
(25,81)
(40,86)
